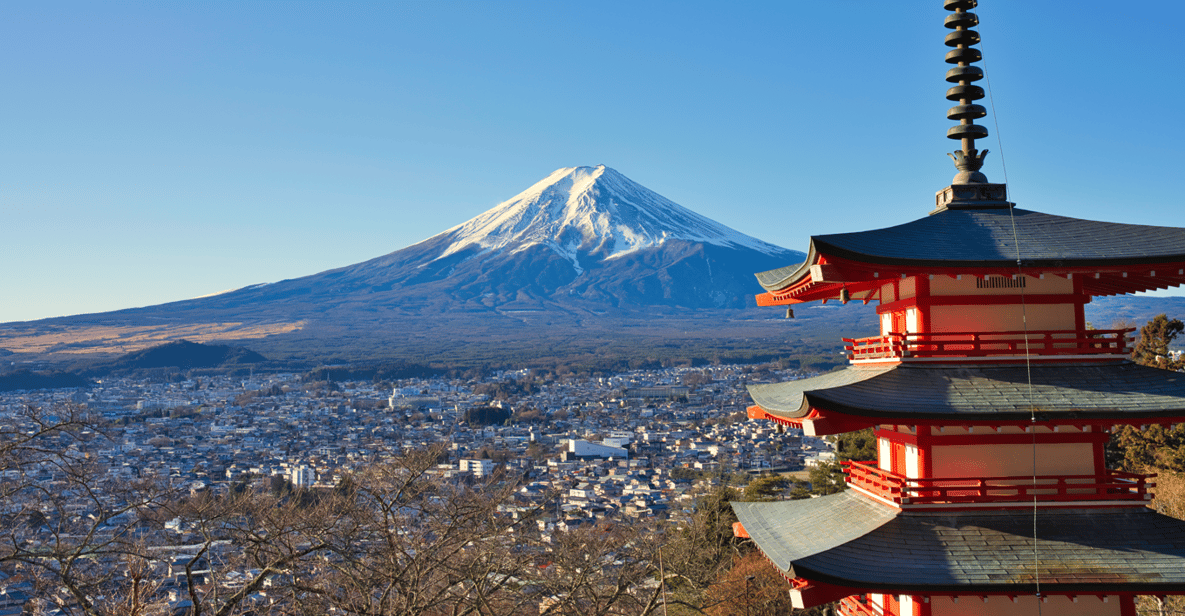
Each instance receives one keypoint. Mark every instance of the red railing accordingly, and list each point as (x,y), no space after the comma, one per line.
(986,344)
(855,606)
(1110,486)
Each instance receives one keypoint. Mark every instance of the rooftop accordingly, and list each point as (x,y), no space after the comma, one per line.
(909,392)
(984,239)
(848,540)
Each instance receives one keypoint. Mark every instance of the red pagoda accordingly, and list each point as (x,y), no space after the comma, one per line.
(991,401)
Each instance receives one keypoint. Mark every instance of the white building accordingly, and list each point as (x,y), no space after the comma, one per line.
(584,449)
(479,468)
(618,439)
(302,476)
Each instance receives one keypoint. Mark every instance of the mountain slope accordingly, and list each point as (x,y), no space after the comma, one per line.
(593,211)
(585,237)
(182,354)
(578,251)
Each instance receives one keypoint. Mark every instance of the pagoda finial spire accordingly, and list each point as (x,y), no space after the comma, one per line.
(968,160)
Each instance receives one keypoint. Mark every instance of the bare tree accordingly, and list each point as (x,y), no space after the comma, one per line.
(609,568)
(400,537)
(421,545)
(70,527)
(257,549)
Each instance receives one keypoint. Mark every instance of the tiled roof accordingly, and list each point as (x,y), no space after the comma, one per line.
(843,539)
(972,237)
(984,238)
(1099,391)
(790,530)
(776,278)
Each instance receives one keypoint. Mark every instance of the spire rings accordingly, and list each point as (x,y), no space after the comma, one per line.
(968,160)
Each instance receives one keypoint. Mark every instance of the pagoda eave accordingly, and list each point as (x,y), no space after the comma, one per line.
(816,422)
(834,277)
(1082,393)
(1082,550)
(1001,261)
(988,238)
(1111,258)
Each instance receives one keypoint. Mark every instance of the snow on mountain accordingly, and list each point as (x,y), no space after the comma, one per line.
(592,210)
(585,241)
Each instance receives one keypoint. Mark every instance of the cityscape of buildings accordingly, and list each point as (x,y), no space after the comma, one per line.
(642,443)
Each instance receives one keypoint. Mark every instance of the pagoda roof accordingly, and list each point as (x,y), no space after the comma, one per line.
(847,540)
(984,238)
(906,392)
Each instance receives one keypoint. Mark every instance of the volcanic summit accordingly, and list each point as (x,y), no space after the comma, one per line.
(584,236)
(582,244)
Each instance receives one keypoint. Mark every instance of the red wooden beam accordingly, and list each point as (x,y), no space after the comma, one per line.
(810,593)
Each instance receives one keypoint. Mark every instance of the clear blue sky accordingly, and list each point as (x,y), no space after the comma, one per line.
(156,151)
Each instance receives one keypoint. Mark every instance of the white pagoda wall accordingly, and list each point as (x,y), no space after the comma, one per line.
(1001,318)
(1012,460)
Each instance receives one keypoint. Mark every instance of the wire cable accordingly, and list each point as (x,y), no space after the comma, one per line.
(1024,323)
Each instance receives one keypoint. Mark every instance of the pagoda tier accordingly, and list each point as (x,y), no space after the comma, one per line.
(1095,258)
(844,544)
(986,395)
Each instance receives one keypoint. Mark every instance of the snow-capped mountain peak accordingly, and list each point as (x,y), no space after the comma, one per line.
(595,211)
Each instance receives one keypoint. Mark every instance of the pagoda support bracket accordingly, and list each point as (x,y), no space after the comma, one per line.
(809,593)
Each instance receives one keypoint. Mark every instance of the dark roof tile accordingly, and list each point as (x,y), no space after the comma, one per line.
(977,237)
(984,238)
(921,391)
(881,548)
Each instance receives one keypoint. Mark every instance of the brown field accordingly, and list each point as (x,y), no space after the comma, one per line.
(125,339)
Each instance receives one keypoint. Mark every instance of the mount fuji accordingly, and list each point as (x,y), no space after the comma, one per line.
(592,212)
(582,238)
(580,248)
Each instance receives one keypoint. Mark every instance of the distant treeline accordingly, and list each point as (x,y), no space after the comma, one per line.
(580,365)
(813,343)
(387,371)
(588,356)
(181,354)
(806,360)
(27,379)
(486,416)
